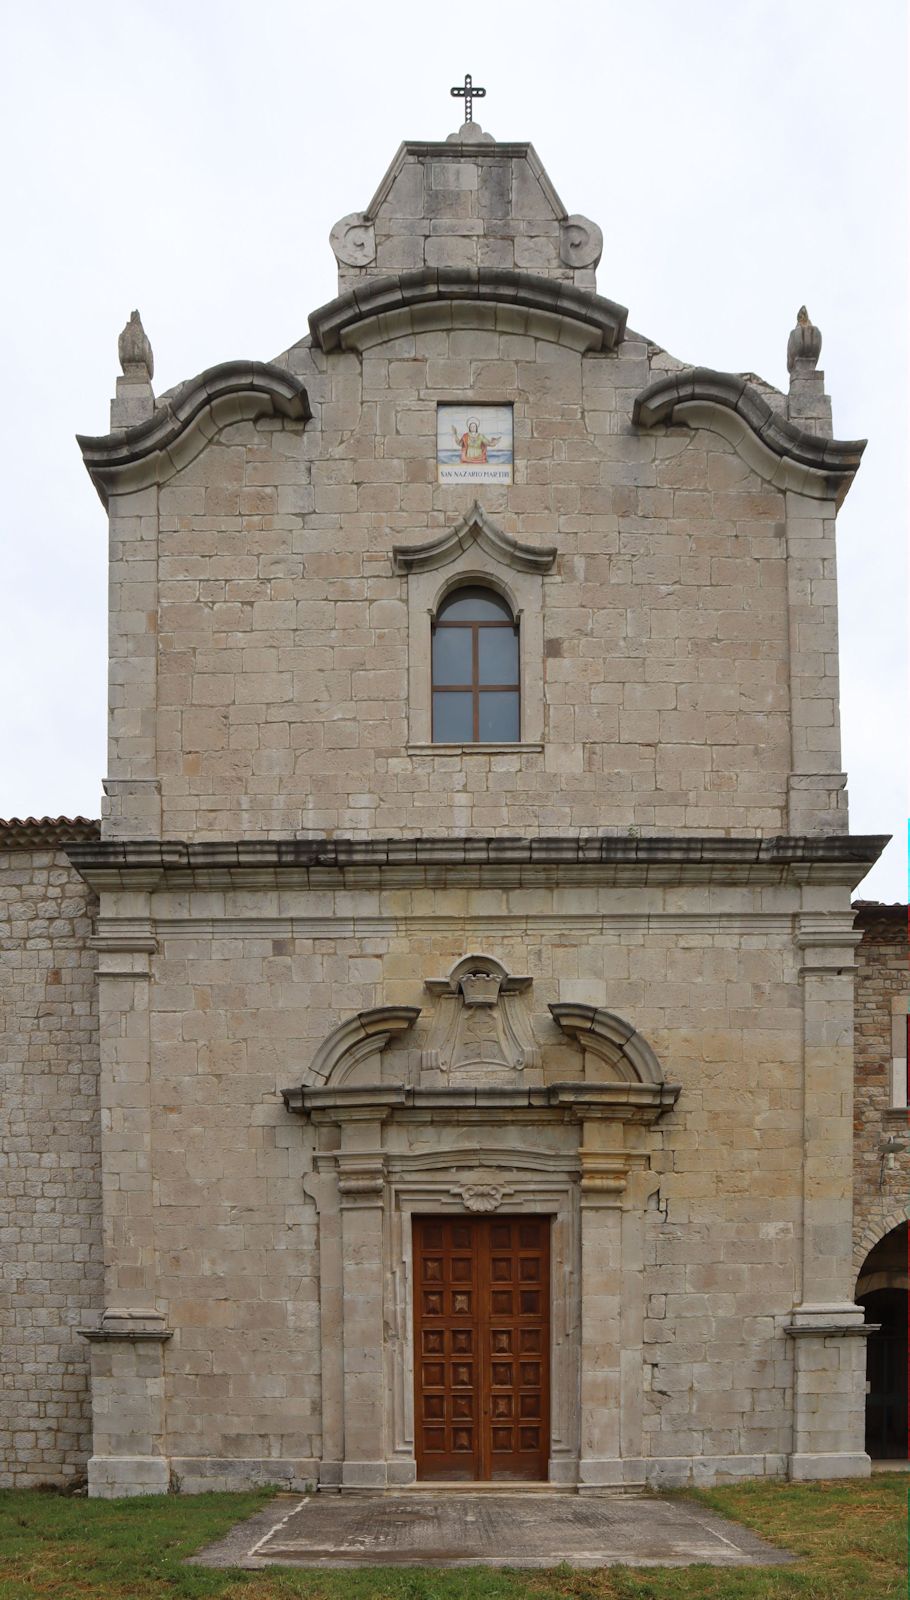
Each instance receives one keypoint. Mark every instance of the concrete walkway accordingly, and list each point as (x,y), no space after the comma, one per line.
(508,1529)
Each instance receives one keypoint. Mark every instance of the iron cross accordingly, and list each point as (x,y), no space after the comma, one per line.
(467,94)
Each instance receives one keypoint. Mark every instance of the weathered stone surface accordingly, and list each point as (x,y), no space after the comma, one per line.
(50,1179)
(505,1529)
(290,866)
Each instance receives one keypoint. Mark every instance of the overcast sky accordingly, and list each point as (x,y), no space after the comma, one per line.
(189,157)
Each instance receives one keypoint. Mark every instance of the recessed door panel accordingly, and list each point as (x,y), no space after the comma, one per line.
(481,1296)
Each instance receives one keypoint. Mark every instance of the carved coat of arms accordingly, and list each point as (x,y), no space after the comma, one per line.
(481,1031)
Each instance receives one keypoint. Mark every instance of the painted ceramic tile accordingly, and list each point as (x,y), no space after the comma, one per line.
(474,444)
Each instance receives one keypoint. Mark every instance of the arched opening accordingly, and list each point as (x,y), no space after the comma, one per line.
(475,668)
(882,1291)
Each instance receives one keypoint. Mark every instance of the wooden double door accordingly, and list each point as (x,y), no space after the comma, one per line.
(481,1347)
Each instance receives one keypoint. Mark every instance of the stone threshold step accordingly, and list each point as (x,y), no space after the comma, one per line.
(507,1488)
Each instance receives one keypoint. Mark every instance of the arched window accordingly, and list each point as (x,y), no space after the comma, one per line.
(476,693)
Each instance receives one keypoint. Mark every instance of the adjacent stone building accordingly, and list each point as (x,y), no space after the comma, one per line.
(881,1167)
(472,902)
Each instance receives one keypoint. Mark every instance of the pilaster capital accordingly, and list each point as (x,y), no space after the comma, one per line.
(361,1181)
(604,1174)
(125,948)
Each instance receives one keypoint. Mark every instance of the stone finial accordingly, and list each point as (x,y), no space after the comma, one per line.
(135,352)
(134,401)
(804,344)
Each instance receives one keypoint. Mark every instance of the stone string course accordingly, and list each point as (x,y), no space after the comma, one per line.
(50,1177)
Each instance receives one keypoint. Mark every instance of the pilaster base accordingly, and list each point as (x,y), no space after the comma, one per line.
(610,1472)
(111,1477)
(364,1475)
(205,1474)
(837,1464)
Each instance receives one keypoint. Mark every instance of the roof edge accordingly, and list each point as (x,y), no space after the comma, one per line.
(604,319)
(46,833)
(462,150)
(838,859)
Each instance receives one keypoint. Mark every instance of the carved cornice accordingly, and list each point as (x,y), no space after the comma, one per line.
(129,1326)
(337,325)
(151,864)
(831,930)
(185,421)
(620,1102)
(474,528)
(787,456)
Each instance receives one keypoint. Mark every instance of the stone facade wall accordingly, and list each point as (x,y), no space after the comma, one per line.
(274,539)
(282,629)
(50,1178)
(882,983)
(237,1012)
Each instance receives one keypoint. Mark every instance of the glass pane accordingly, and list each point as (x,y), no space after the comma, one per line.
(453,719)
(452,656)
(497,655)
(498,716)
(473,605)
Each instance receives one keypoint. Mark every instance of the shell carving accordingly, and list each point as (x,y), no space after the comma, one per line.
(482,1196)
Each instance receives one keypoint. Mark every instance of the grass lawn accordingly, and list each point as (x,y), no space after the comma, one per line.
(851,1539)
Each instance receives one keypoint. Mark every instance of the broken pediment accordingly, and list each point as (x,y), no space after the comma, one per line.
(612,1050)
(480,1051)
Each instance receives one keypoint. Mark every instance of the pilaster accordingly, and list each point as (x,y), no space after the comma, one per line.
(129,1446)
(827,1329)
(361,1190)
(817,800)
(604,1172)
(132,805)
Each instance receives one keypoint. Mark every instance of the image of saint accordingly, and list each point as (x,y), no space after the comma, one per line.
(474,444)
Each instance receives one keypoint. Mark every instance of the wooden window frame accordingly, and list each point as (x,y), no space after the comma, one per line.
(475,688)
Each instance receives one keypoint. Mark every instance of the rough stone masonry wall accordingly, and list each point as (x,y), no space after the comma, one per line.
(881,1196)
(283,634)
(50,1180)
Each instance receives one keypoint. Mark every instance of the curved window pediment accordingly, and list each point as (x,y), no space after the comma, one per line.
(475,669)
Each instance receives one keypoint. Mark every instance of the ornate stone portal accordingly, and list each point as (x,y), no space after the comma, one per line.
(480,1117)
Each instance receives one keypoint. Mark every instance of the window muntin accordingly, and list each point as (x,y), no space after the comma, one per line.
(475,670)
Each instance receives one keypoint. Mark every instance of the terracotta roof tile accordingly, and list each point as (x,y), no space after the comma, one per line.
(43,833)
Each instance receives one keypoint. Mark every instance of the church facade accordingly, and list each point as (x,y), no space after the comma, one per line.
(472,902)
